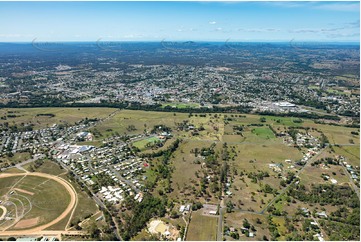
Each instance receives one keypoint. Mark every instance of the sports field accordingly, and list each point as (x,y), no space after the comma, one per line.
(142,144)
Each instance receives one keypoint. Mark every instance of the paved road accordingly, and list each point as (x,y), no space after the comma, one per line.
(220,224)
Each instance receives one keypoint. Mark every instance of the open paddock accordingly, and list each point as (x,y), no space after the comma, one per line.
(202,228)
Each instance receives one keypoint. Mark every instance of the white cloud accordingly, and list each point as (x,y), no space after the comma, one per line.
(212,22)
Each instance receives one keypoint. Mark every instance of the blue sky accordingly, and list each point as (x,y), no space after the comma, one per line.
(196,21)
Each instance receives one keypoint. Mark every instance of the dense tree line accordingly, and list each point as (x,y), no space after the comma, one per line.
(301,115)
(326,194)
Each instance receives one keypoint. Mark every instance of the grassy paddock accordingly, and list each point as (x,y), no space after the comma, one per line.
(202,228)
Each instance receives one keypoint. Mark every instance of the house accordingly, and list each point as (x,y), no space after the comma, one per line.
(305,211)
(229,193)
(333,181)
(182,208)
(321,214)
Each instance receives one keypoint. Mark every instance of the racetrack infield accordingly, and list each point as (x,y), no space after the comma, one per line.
(9,231)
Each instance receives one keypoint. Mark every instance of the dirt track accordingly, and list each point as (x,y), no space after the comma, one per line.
(73,200)
(4,211)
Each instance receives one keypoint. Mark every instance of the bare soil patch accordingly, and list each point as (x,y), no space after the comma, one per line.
(26,223)
(24,191)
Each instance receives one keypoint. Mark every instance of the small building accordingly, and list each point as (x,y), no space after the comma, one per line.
(321,214)
(212,212)
(182,208)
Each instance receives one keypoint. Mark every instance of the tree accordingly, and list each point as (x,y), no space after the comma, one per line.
(246,224)
(230,206)
(234,235)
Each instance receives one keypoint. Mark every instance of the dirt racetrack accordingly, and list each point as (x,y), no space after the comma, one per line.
(69,208)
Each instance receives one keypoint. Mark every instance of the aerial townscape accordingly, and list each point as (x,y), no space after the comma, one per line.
(176,140)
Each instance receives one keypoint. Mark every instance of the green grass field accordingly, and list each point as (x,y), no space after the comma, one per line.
(202,228)
(263,132)
(181,105)
(142,144)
